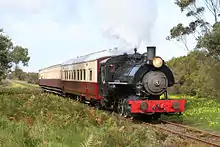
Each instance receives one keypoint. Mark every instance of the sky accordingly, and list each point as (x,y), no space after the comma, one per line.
(55,31)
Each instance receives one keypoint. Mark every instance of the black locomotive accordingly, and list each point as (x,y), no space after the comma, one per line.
(134,76)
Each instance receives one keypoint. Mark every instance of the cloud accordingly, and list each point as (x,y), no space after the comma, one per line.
(55,31)
(127,20)
(53,20)
(24,6)
(45,37)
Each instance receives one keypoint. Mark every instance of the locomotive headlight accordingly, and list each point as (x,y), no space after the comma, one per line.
(157,62)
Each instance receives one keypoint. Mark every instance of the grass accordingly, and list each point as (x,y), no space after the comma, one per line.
(203,113)
(25,83)
(30,118)
(5,83)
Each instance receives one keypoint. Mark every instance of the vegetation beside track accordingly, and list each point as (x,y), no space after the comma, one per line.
(23,84)
(32,118)
(203,113)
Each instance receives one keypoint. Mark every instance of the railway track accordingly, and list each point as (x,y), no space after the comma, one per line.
(183,131)
(188,132)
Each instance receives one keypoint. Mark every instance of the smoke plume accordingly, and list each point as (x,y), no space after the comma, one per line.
(130,21)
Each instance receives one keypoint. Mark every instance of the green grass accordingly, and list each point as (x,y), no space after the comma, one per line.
(203,113)
(30,118)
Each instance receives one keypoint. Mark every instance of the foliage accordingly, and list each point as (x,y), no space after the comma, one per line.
(211,41)
(20,75)
(10,54)
(196,75)
(20,54)
(31,118)
(5,49)
(199,27)
(88,142)
(32,77)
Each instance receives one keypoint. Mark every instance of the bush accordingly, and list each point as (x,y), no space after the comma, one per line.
(196,75)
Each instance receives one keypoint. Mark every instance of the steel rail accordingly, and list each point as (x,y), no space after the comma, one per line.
(185,135)
(192,128)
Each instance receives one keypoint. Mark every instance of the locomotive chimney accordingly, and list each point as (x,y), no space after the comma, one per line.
(151,52)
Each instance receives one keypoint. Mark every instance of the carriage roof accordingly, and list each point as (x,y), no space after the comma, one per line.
(93,56)
(89,57)
(49,67)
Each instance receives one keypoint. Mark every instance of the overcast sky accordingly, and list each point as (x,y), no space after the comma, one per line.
(55,31)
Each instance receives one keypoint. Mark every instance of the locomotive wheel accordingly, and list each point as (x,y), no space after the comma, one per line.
(126,108)
(120,107)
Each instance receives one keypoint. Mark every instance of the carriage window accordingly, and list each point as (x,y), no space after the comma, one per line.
(90,75)
(74,75)
(69,74)
(65,75)
(77,74)
(81,74)
(84,74)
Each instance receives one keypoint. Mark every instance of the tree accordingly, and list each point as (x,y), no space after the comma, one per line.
(211,42)
(198,72)
(186,70)
(199,26)
(214,7)
(20,54)
(10,54)
(193,78)
(5,48)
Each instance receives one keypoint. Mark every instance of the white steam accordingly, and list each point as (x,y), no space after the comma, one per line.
(130,21)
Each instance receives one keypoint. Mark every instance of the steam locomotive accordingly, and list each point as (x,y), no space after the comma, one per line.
(128,83)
